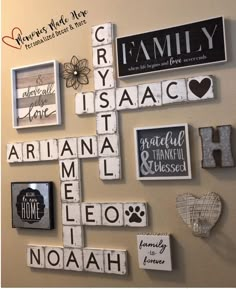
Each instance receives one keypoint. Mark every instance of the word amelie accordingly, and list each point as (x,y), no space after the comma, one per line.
(163,152)
(154,252)
(107,261)
(193,44)
(32,205)
(144,95)
(200,214)
(36,95)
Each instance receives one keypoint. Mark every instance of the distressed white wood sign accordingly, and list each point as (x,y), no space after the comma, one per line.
(154,252)
(105,100)
(149,95)
(73,259)
(54,257)
(107,122)
(48,150)
(30,151)
(73,236)
(85,103)
(87,147)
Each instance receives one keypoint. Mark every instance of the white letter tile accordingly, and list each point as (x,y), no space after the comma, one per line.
(69,170)
(107,122)
(71,214)
(54,257)
(70,191)
(115,262)
(102,34)
(31,151)
(73,259)
(112,214)
(149,95)
(108,145)
(73,236)
(102,56)
(14,153)
(105,100)
(87,147)
(93,260)
(174,91)
(84,103)
(109,168)
(104,78)
(127,98)
(67,148)
(91,214)
(48,150)
(35,256)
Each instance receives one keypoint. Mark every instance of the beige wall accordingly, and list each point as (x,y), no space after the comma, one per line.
(197,262)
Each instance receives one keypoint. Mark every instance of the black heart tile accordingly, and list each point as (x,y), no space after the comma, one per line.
(200,88)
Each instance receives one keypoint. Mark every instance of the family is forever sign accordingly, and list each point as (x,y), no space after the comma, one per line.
(163,152)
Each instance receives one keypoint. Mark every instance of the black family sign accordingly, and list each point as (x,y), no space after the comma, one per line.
(182,46)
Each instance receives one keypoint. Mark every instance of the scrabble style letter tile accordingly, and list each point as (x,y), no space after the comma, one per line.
(73,236)
(93,260)
(105,100)
(102,56)
(200,88)
(14,153)
(87,147)
(112,214)
(31,151)
(70,191)
(127,98)
(35,256)
(73,259)
(91,214)
(102,34)
(71,214)
(104,78)
(108,145)
(115,262)
(149,95)
(84,103)
(54,257)
(135,214)
(69,170)
(107,122)
(109,168)
(174,91)
(48,150)
(67,148)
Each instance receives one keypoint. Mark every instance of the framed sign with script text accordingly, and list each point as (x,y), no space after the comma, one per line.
(36,95)
(197,43)
(162,153)
(32,205)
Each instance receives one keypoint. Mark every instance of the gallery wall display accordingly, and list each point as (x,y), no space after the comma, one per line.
(36,95)
(197,43)
(163,153)
(154,251)
(200,214)
(32,205)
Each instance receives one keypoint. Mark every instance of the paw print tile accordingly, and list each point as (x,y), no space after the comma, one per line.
(135,214)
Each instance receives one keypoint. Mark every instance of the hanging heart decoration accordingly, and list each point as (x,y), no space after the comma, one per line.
(200,214)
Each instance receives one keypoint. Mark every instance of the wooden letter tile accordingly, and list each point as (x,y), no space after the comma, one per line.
(93,260)
(108,145)
(112,214)
(127,98)
(84,103)
(67,148)
(105,100)
(54,257)
(73,236)
(35,256)
(48,150)
(104,78)
(71,214)
(107,122)
(91,214)
(115,262)
(69,170)
(109,168)
(70,191)
(73,259)
(200,88)
(31,151)
(102,56)
(135,214)
(87,147)
(14,153)
(149,95)
(174,91)
(102,34)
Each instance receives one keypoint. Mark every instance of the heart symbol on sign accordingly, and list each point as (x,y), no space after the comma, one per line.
(10,40)
(200,88)
(200,214)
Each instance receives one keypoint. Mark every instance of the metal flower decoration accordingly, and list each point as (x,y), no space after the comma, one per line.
(76,72)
